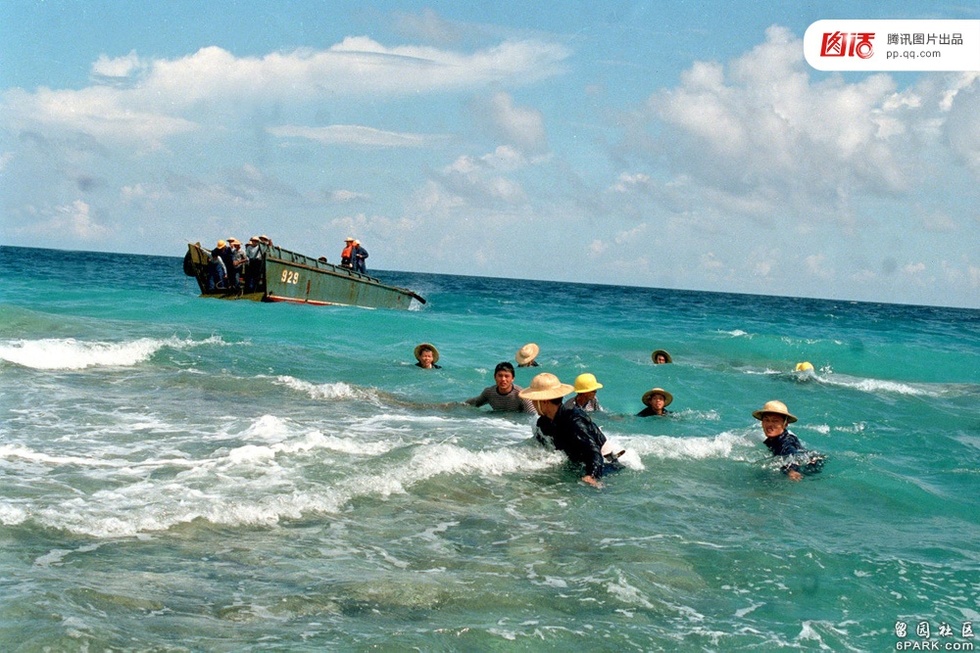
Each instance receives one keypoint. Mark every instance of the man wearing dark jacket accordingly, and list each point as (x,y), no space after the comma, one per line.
(569,429)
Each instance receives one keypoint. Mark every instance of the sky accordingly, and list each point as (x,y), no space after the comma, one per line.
(671,144)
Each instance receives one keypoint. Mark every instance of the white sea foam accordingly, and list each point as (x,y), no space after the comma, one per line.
(877,386)
(339,390)
(73,354)
(694,447)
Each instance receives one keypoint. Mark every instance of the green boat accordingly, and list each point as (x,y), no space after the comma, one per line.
(285,276)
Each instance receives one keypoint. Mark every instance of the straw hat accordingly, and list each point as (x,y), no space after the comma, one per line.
(435,352)
(221,244)
(527,353)
(586,383)
(348,240)
(663,352)
(657,391)
(777,407)
(545,386)
(805,366)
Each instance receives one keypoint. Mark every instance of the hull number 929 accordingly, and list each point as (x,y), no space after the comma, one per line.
(288,276)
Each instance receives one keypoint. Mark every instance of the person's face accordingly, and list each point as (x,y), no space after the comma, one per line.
(773,424)
(426,357)
(657,402)
(583,398)
(505,381)
(661,359)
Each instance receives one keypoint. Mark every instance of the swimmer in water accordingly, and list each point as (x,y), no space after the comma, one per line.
(775,417)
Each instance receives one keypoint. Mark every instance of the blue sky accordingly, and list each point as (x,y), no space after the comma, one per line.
(662,144)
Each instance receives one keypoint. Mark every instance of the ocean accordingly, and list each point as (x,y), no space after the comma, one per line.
(180,473)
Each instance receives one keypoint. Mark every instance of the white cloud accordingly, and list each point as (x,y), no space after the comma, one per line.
(519,126)
(762,135)
(67,223)
(107,69)
(355,135)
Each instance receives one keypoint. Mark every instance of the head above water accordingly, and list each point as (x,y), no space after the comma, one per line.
(586,383)
(774,407)
(660,356)
(526,354)
(426,347)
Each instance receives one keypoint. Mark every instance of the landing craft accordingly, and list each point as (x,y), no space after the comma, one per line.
(285,276)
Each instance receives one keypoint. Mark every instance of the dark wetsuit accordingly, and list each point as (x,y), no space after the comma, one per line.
(573,432)
(786,444)
(648,412)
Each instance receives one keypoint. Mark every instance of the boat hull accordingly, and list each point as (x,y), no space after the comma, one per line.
(287,276)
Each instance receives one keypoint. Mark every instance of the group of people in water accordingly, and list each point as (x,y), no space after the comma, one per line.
(233,267)
(567,426)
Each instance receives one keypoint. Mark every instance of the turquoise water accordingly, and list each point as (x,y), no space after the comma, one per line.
(188,474)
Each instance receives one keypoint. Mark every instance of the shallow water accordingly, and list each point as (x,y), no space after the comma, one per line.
(182,473)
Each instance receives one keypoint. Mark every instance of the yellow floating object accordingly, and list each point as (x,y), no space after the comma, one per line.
(804,367)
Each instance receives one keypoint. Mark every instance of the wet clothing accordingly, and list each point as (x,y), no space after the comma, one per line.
(509,402)
(592,405)
(434,366)
(787,445)
(648,412)
(573,432)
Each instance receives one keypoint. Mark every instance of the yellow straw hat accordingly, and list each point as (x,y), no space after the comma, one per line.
(657,391)
(545,386)
(527,353)
(777,407)
(586,383)
(435,352)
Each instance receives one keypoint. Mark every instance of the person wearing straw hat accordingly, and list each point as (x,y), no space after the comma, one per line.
(775,418)
(660,356)
(525,355)
(427,356)
(585,386)
(358,256)
(655,402)
(347,254)
(503,396)
(569,430)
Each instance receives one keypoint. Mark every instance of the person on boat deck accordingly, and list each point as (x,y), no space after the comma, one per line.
(504,396)
(775,417)
(427,356)
(660,357)
(347,254)
(253,267)
(569,429)
(525,355)
(585,387)
(219,268)
(656,402)
(359,254)
(239,259)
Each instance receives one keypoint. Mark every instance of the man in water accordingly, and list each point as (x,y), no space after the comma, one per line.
(427,356)
(585,386)
(656,402)
(660,357)
(568,429)
(504,395)
(775,417)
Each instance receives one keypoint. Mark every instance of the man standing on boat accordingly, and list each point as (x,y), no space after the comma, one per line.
(359,254)
(347,254)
